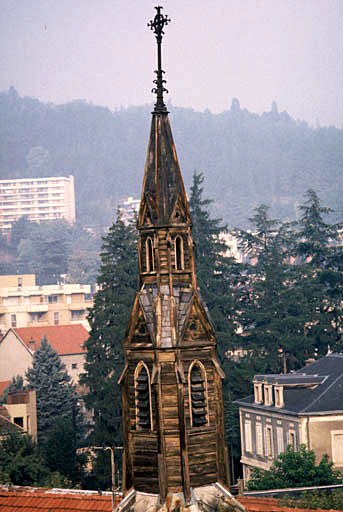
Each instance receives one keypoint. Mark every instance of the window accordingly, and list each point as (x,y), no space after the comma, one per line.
(280,444)
(143,397)
(337,447)
(292,439)
(279,397)
(258,393)
(178,247)
(13,320)
(19,421)
(52,299)
(268,395)
(77,314)
(56,318)
(259,439)
(74,366)
(269,441)
(247,436)
(20,282)
(149,249)
(197,394)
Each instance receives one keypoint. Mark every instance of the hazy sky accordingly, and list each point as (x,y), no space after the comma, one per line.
(288,51)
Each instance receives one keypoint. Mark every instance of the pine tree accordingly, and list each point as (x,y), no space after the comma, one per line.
(108,319)
(219,280)
(55,394)
(320,273)
(218,275)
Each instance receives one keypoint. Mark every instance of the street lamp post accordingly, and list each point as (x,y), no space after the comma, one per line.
(113,467)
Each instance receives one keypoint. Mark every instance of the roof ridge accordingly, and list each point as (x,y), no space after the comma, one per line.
(322,394)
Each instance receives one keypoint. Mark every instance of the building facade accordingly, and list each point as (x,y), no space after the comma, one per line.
(305,407)
(37,199)
(23,304)
(17,348)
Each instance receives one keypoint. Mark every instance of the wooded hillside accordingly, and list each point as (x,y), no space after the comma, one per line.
(247,159)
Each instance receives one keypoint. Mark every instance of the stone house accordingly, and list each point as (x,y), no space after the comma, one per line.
(304,407)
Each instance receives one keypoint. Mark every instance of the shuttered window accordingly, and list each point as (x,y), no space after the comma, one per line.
(143,399)
(247,435)
(259,439)
(280,443)
(198,398)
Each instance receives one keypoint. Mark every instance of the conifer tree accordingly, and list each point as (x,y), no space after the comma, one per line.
(218,275)
(108,319)
(55,394)
(321,272)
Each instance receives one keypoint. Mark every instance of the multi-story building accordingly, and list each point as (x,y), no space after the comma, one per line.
(305,407)
(38,199)
(23,304)
(128,209)
(18,346)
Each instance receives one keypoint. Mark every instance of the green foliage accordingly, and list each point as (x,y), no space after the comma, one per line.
(16,384)
(295,469)
(314,500)
(55,394)
(60,449)
(108,319)
(42,249)
(249,158)
(21,462)
(218,275)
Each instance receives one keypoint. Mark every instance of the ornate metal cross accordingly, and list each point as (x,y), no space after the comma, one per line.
(157,25)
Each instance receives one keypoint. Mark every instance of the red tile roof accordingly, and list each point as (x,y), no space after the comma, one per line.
(65,339)
(258,504)
(3,385)
(38,500)
(26,499)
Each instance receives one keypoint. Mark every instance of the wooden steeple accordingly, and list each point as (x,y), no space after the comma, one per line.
(173,418)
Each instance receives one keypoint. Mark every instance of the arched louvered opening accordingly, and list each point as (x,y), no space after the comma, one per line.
(143,397)
(197,386)
(179,253)
(149,250)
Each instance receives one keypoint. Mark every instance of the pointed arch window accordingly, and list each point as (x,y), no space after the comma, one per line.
(149,252)
(197,386)
(143,397)
(179,256)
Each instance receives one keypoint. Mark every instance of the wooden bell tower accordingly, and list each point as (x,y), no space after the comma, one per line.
(173,417)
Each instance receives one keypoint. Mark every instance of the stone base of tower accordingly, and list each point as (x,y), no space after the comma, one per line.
(208,497)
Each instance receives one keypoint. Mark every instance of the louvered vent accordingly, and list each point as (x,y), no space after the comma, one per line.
(198,398)
(143,399)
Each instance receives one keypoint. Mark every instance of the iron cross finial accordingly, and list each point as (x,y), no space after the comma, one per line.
(157,25)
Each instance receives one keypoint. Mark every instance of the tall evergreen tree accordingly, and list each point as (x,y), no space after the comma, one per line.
(55,393)
(321,272)
(219,280)
(108,319)
(218,274)
(273,326)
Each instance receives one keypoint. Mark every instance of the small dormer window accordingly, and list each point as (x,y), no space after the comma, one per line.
(279,396)
(149,249)
(179,261)
(258,393)
(268,394)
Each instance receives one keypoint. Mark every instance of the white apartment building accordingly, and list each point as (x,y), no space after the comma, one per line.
(38,199)
(128,208)
(23,304)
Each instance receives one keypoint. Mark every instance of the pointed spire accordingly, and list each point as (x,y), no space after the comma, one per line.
(157,25)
